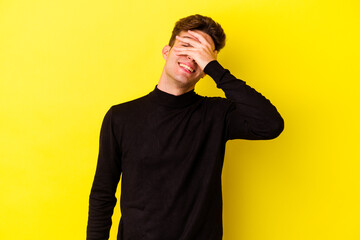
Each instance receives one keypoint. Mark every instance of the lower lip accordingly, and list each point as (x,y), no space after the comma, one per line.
(185,69)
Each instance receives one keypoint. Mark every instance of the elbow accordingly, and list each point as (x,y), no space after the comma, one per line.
(269,129)
(275,127)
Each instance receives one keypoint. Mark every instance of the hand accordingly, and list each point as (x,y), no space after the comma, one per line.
(199,49)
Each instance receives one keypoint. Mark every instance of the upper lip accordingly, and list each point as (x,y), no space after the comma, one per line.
(188,64)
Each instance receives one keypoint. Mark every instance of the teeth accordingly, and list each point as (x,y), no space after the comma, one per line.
(187,67)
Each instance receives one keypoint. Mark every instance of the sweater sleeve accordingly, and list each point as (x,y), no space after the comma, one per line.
(250,115)
(102,196)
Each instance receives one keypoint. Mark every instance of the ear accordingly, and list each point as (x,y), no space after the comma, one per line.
(165,51)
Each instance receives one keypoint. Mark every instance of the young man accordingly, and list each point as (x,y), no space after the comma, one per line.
(169,145)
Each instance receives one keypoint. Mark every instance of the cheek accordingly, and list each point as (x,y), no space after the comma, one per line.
(172,57)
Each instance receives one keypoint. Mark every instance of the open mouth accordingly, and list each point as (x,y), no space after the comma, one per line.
(187,68)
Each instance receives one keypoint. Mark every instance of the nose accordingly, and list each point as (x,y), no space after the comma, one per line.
(190,58)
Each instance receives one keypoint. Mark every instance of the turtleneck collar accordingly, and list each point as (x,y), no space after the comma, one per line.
(169,100)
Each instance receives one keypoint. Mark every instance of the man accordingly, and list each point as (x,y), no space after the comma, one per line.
(169,145)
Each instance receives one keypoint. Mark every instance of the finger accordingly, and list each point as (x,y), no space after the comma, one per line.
(189,41)
(184,51)
(184,44)
(199,37)
(190,49)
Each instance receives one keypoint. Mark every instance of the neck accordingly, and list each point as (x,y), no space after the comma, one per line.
(173,90)
(166,85)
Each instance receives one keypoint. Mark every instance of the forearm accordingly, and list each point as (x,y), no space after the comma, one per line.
(101,207)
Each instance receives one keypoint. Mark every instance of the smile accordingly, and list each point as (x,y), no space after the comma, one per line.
(187,67)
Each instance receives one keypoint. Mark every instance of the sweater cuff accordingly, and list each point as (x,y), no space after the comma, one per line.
(215,70)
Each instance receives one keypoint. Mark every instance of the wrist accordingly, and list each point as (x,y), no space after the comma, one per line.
(205,63)
(214,70)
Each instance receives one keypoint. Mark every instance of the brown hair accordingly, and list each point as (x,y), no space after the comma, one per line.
(202,23)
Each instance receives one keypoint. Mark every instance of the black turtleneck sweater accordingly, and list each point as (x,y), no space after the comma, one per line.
(170,150)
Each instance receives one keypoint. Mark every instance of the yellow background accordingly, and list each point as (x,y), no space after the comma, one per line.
(64,63)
